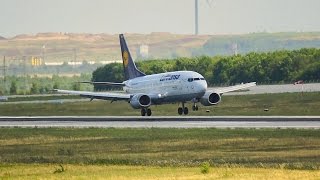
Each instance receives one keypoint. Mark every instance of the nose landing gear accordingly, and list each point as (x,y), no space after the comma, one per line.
(195,107)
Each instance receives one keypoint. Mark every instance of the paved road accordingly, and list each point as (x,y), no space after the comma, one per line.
(279,88)
(165,122)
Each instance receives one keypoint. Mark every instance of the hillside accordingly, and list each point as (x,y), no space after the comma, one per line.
(259,42)
(65,47)
(97,47)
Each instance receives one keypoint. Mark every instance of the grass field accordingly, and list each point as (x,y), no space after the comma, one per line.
(46,171)
(154,153)
(287,148)
(278,104)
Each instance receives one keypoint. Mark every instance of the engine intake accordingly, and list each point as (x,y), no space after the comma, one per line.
(140,100)
(210,99)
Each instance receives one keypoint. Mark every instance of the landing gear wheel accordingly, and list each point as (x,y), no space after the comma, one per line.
(149,112)
(143,112)
(195,108)
(180,110)
(185,110)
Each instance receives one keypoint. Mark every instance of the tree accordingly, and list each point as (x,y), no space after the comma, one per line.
(13,87)
(34,88)
(109,73)
(55,85)
(278,66)
(312,72)
(76,86)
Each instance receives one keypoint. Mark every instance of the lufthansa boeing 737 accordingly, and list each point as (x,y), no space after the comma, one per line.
(142,90)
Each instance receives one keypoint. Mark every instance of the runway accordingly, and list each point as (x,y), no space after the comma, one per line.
(164,122)
(259,89)
(277,88)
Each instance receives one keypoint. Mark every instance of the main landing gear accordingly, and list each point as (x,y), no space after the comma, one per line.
(146,111)
(183,110)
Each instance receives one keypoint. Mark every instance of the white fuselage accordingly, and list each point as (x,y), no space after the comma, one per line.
(169,87)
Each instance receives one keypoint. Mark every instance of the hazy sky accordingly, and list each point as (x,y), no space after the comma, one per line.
(145,16)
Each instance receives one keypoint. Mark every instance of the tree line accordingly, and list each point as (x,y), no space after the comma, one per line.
(266,67)
(42,85)
(283,66)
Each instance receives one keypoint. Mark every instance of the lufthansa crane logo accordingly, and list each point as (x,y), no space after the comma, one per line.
(125,56)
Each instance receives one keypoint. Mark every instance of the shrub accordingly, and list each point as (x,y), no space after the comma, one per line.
(60,169)
(205,167)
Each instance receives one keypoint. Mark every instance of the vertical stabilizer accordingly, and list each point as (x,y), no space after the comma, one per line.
(130,69)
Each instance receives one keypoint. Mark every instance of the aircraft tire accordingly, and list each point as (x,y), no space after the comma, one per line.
(143,112)
(185,111)
(180,110)
(149,112)
(194,108)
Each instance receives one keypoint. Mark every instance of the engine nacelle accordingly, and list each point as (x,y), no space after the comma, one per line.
(210,99)
(140,100)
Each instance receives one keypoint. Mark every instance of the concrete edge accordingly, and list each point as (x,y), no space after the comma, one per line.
(159,118)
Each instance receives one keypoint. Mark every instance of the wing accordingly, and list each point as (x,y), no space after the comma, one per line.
(96,95)
(104,83)
(222,90)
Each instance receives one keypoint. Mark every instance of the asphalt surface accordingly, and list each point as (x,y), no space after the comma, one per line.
(279,88)
(259,89)
(165,122)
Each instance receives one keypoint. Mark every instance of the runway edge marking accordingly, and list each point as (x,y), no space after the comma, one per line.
(160,118)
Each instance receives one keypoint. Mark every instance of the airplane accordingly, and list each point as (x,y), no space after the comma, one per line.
(142,91)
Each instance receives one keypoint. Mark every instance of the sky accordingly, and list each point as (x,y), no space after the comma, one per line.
(146,16)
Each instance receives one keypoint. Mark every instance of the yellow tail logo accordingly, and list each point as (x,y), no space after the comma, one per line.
(125,57)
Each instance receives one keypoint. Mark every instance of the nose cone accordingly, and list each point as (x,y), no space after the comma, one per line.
(202,86)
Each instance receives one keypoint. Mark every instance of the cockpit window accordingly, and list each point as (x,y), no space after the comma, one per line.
(195,79)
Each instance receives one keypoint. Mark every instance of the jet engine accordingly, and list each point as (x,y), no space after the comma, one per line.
(140,100)
(210,99)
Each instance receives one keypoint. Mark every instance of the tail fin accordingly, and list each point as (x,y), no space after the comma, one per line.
(130,69)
